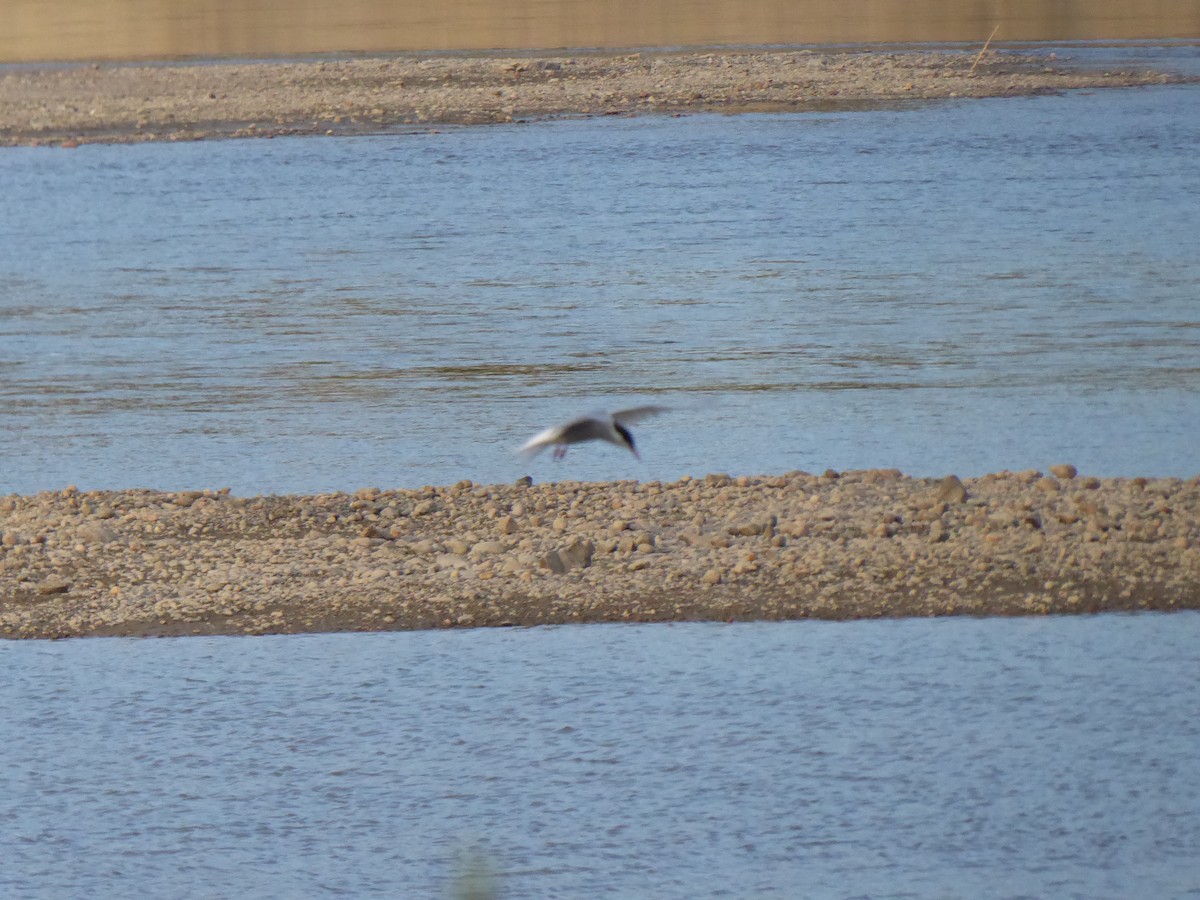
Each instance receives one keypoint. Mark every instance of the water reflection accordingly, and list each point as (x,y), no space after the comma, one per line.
(82,29)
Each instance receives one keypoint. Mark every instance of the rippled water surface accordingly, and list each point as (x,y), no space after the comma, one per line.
(959,287)
(916,758)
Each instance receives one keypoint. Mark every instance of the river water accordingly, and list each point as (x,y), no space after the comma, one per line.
(884,759)
(954,287)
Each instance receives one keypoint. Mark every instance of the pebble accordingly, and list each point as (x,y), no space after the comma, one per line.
(488,548)
(951,490)
(96,533)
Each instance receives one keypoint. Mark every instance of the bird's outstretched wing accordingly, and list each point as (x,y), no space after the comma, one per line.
(637,413)
(540,442)
(584,428)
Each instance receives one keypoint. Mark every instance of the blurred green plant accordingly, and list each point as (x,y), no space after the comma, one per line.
(475,878)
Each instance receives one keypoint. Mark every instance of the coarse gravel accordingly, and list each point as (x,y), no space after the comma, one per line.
(836,545)
(114,102)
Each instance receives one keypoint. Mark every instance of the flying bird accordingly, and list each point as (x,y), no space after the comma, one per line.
(600,426)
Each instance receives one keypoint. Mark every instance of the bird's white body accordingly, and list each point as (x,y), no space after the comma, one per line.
(601,426)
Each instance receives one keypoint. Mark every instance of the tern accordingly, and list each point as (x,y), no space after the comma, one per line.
(600,426)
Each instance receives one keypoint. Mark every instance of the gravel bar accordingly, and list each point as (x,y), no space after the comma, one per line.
(70,105)
(847,545)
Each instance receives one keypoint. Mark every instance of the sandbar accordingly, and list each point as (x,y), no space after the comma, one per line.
(835,545)
(122,103)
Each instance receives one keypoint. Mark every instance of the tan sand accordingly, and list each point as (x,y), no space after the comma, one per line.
(854,545)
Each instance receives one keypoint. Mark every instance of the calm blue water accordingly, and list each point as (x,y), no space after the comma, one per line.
(960,287)
(919,758)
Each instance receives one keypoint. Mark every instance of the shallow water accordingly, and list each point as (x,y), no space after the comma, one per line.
(956,287)
(930,758)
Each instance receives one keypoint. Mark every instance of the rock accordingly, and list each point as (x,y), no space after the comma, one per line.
(512,565)
(450,561)
(929,513)
(576,555)
(1049,485)
(488,548)
(506,525)
(951,490)
(53,585)
(743,567)
(758,526)
(96,533)
(795,528)
(1065,471)
(712,576)
(458,547)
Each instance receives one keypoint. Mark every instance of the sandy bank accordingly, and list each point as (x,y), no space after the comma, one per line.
(858,544)
(122,103)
